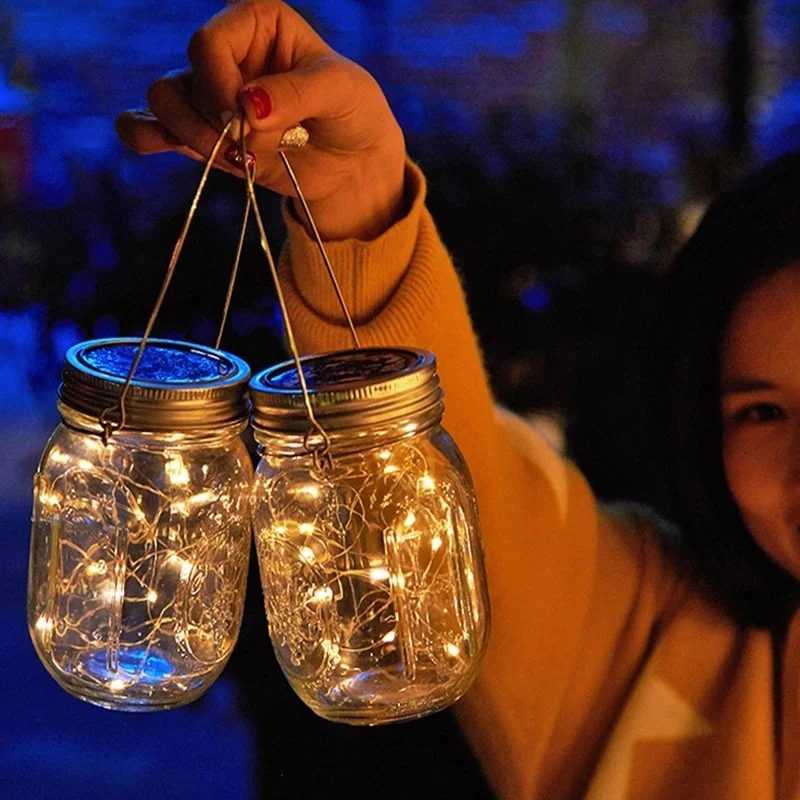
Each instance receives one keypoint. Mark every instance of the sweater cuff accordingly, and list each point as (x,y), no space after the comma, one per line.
(368,273)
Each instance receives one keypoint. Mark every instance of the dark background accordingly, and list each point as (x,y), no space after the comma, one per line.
(570,147)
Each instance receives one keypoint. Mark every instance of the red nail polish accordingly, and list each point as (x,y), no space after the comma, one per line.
(233,155)
(259,99)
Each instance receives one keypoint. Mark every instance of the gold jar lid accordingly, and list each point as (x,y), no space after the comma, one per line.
(347,389)
(177,386)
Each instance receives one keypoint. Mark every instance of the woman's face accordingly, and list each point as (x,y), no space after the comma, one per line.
(760,385)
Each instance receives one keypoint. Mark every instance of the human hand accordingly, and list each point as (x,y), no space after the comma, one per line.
(262,58)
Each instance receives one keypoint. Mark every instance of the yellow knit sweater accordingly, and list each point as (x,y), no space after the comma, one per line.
(608,674)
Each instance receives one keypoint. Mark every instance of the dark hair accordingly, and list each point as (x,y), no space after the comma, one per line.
(747,234)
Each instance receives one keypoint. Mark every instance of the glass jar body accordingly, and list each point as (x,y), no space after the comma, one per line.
(138,566)
(373,575)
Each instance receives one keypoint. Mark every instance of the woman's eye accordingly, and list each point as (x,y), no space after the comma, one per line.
(760,412)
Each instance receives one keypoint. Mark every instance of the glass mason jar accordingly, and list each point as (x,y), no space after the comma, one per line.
(371,565)
(140,546)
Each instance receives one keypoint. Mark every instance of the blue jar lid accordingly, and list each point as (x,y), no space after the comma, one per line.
(347,389)
(178,386)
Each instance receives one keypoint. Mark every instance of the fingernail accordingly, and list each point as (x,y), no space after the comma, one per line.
(233,155)
(259,99)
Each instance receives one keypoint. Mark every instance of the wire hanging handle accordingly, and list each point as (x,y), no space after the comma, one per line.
(107,423)
(318,239)
(319,451)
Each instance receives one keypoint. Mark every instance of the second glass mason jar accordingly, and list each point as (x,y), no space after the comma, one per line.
(371,566)
(140,546)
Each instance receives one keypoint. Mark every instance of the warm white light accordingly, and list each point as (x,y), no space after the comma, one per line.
(108,588)
(184,564)
(202,499)
(49,498)
(426,483)
(176,471)
(379,573)
(44,624)
(113,593)
(384,598)
(332,650)
(323,595)
(309,489)
(411,427)
(58,456)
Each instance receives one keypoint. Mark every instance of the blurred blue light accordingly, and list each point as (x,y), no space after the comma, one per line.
(656,158)
(106,326)
(91,141)
(81,287)
(52,184)
(20,333)
(64,334)
(204,330)
(536,297)
(541,16)
(12,99)
(244,322)
(102,255)
(628,21)
(274,320)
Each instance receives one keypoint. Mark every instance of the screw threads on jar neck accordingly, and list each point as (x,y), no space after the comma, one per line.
(178,387)
(361,398)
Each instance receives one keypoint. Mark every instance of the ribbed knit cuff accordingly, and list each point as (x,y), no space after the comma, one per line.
(368,273)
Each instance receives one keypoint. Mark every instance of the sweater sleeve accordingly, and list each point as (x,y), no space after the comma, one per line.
(538,518)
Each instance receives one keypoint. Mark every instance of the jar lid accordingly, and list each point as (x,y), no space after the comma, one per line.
(177,386)
(347,389)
